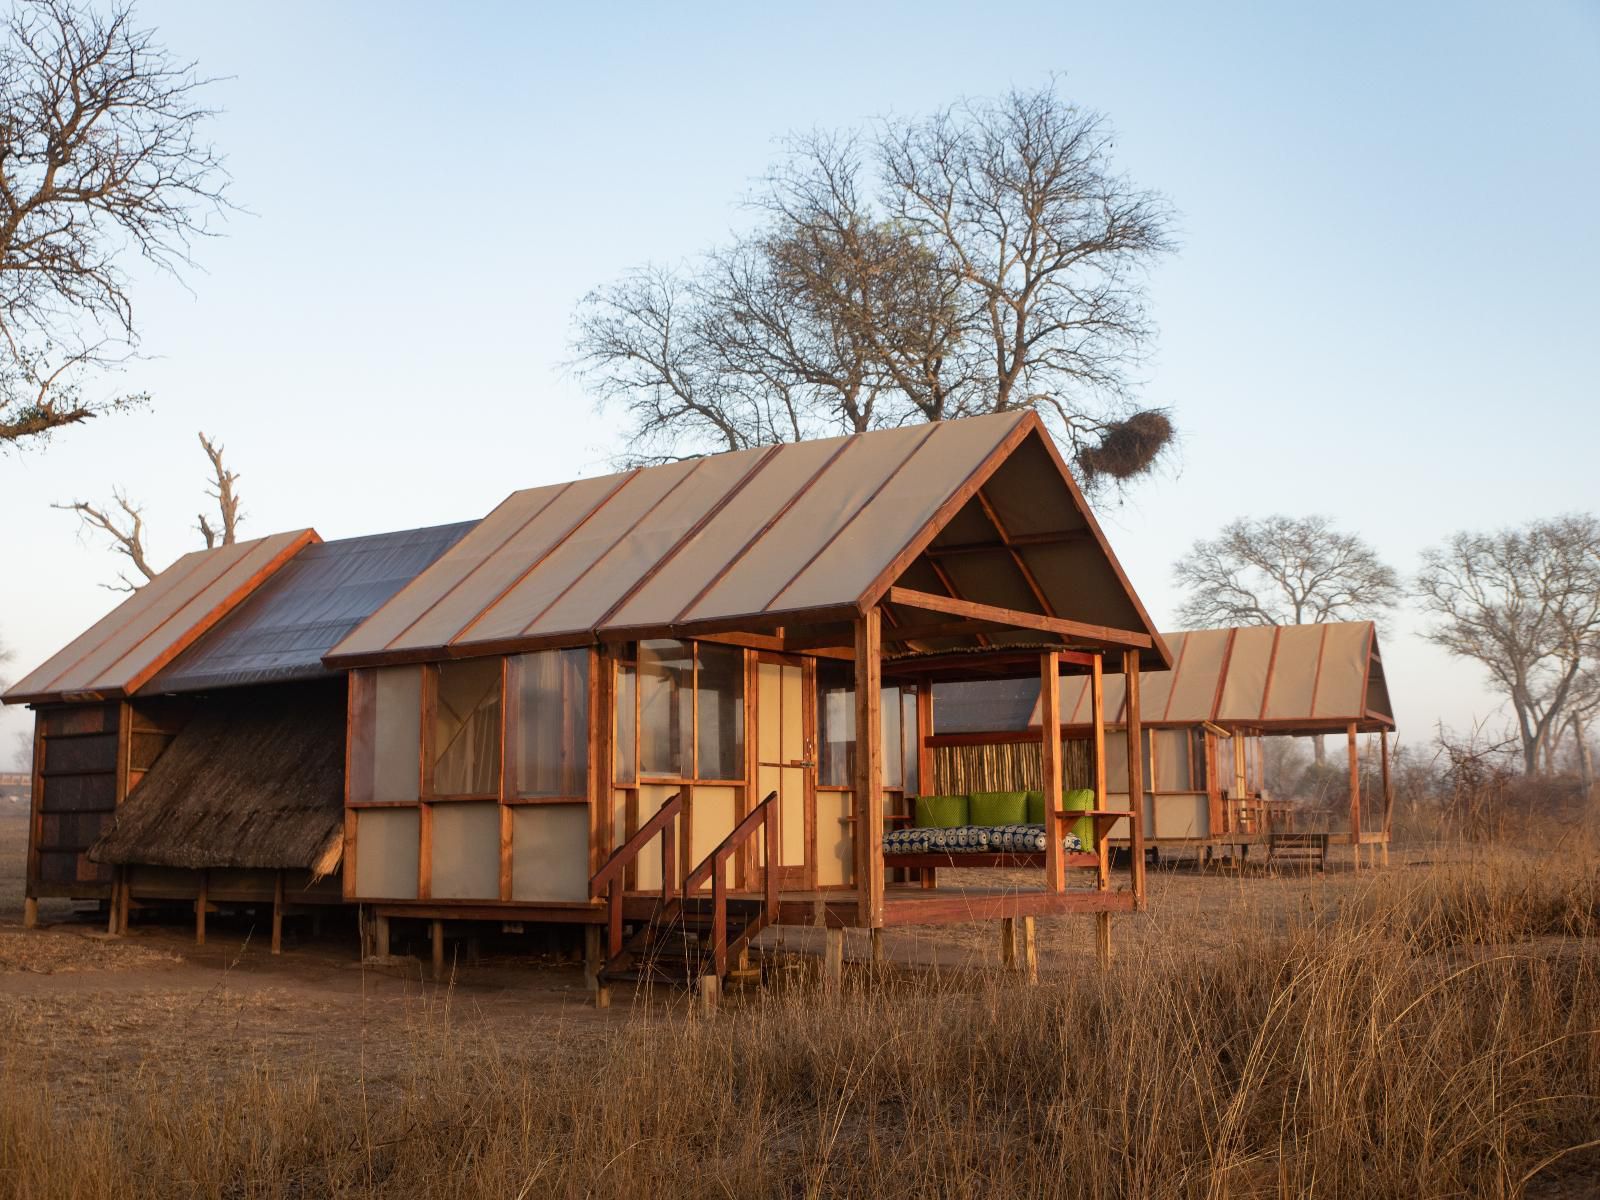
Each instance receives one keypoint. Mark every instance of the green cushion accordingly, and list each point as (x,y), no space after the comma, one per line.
(1035,808)
(999,808)
(1081,800)
(941,812)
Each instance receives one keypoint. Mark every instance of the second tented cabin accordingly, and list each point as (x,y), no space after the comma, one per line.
(699,695)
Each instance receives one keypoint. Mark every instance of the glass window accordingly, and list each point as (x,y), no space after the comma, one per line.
(666,713)
(386,731)
(466,728)
(550,723)
(893,758)
(836,719)
(625,752)
(720,697)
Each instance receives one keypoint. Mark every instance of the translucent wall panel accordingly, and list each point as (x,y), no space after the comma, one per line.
(466,728)
(549,694)
(386,731)
(388,845)
(666,712)
(626,749)
(893,756)
(550,852)
(466,852)
(1170,749)
(836,733)
(720,701)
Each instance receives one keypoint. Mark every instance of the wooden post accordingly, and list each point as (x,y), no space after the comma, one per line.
(1050,768)
(1030,951)
(594,960)
(1102,829)
(1135,736)
(1355,793)
(925,785)
(710,993)
(1008,943)
(879,953)
(115,907)
(869,771)
(30,912)
(380,936)
(277,914)
(833,956)
(200,911)
(438,949)
(1388,793)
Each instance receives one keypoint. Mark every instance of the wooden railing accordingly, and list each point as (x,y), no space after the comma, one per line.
(763,816)
(612,875)
(1104,819)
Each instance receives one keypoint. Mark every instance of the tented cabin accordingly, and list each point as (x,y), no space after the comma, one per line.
(1204,722)
(688,696)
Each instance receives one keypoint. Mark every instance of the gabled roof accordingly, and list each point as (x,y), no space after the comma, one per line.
(1276,678)
(280,633)
(799,535)
(121,651)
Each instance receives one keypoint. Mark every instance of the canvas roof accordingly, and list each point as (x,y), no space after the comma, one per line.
(120,652)
(280,633)
(800,535)
(1282,678)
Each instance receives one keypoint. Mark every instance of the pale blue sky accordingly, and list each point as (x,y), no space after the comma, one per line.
(1384,308)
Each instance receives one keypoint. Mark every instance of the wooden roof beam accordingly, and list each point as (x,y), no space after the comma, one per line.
(1098,635)
(1018,540)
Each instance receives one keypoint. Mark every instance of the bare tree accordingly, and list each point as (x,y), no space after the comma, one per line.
(100,159)
(124,525)
(1525,603)
(1282,571)
(983,259)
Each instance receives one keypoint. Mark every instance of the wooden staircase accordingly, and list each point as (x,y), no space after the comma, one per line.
(688,934)
(1308,851)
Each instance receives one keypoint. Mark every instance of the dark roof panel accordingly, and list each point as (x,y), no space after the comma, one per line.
(281,632)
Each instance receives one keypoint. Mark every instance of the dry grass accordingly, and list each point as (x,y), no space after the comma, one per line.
(1426,1033)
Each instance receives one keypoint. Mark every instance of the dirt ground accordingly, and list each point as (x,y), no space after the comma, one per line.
(153,1003)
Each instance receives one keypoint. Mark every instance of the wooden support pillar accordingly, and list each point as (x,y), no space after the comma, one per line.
(277,914)
(1388,793)
(1355,793)
(30,912)
(879,953)
(1102,829)
(1008,943)
(1135,750)
(925,786)
(438,949)
(200,910)
(869,770)
(1050,768)
(1030,951)
(710,993)
(380,937)
(833,957)
(114,908)
(594,960)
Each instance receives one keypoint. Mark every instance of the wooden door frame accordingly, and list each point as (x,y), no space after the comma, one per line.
(804,876)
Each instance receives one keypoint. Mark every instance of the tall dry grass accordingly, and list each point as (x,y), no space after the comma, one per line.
(1432,1034)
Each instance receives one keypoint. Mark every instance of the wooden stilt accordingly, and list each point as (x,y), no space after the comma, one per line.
(1355,793)
(277,914)
(114,909)
(1050,768)
(1008,943)
(1102,939)
(710,993)
(200,911)
(1030,951)
(126,911)
(438,949)
(833,958)
(929,878)
(380,937)
(878,954)
(30,912)
(1134,750)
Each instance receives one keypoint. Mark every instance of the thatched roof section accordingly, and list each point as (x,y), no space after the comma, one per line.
(256,780)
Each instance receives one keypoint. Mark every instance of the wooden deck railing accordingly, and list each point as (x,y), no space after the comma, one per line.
(612,875)
(763,816)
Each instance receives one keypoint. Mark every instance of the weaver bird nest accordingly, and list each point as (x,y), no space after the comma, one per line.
(1128,448)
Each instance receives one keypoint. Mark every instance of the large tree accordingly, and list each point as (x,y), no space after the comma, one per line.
(983,259)
(1282,570)
(1524,603)
(101,161)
